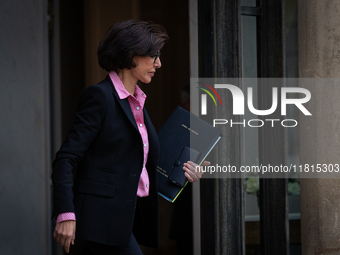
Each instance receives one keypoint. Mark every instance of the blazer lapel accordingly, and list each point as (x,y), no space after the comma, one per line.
(152,134)
(124,103)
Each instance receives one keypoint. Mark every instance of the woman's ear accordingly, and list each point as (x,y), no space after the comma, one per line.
(134,62)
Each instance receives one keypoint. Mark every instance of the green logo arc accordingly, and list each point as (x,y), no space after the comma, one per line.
(208,92)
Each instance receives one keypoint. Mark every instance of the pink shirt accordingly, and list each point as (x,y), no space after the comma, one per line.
(136,102)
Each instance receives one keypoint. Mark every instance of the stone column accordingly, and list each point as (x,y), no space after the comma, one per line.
(25,196)
(319,57)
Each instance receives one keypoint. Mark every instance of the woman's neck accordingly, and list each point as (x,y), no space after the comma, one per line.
(128,81)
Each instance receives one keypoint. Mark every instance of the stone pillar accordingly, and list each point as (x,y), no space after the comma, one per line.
(25,197)
(319,57)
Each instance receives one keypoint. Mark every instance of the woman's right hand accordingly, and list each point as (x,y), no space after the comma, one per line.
(64,233)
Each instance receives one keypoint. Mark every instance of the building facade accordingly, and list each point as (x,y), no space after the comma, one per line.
(48,49)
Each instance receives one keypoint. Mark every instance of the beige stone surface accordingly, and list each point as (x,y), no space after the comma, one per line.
(319,38)
(319,57)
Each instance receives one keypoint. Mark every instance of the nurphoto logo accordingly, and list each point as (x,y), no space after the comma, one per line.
(239,104)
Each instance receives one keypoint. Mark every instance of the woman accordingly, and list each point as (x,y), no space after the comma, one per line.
(112,150)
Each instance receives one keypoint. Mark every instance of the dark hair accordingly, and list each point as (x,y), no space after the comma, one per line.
(127,39)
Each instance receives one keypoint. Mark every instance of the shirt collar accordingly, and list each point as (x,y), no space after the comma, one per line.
(123,93)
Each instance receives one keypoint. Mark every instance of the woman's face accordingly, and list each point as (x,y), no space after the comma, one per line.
(145,68)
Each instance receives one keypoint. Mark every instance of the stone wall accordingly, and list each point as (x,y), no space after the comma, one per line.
(24,129)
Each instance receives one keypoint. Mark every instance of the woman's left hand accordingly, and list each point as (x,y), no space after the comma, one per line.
(193,171)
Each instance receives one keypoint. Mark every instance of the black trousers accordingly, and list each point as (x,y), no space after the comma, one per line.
(81,247)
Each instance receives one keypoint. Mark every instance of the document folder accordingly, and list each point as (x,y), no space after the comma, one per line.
(183,137)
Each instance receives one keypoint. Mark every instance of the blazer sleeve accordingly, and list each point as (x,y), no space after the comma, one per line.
(88,120)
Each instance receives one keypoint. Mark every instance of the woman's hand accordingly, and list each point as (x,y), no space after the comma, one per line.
(64,233)
(193,171)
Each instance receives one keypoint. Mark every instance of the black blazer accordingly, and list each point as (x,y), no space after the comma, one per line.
(96,171)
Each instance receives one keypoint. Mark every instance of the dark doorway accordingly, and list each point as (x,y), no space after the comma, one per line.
(83,24)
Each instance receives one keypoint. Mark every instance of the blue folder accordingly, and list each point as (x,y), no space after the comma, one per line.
(183,137)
